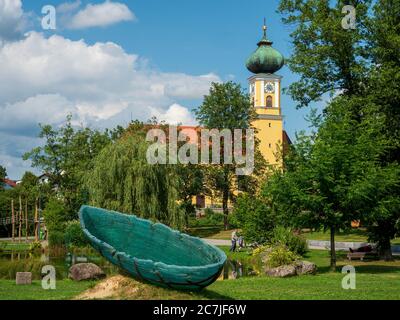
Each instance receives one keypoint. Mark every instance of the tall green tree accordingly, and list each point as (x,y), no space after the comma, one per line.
(328,58)
(336,176)
(3,175)
(191,183)
(384,53)
(226,107)
(123,180)
(66,155)
(362,64)
(384,92)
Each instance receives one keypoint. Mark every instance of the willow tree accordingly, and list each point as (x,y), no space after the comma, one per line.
(123,180)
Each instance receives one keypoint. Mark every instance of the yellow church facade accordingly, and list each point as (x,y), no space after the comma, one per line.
(265,93)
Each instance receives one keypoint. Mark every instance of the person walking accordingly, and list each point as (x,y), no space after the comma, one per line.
(234,238)
(241,242)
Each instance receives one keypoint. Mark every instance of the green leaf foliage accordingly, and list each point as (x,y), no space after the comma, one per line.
(123,180)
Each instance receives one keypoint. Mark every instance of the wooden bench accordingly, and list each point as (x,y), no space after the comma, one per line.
(361,255)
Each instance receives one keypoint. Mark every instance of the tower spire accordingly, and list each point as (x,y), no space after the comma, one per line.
(265,28)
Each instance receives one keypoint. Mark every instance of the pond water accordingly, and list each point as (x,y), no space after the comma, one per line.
(62,261)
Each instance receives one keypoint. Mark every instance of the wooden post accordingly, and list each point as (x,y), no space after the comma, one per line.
(26,220)
(12,220)
(36,221)
(20,219)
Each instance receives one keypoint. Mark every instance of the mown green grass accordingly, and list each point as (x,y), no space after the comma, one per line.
(326,286)
(355,235)
(14,246)
(65,290)
(374,280)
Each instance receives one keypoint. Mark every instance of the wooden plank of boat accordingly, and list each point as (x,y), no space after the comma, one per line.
(152,252)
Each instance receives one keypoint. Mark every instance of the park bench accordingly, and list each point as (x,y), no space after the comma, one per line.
(362,253)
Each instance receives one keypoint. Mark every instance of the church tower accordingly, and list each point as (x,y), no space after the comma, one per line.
(265,94)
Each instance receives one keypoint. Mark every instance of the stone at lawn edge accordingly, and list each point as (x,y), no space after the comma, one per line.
(305,267)
(85,271)
(282,271)
(23,278)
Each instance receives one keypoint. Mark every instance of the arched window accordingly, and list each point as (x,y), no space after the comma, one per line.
(269,102)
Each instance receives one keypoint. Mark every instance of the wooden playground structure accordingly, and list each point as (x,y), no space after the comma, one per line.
(20,220)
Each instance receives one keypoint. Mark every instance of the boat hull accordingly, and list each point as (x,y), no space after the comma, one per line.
(152,252)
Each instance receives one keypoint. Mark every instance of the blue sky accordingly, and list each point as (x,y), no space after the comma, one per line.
(178,45)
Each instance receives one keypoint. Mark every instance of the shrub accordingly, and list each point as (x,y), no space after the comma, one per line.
(274,256)
(74,235)
(215,218)
(56,238)
(254,217)
(285,237)
(259,250)
(55,217)
(9,269)
(280,255)
(210,219)
(35,246)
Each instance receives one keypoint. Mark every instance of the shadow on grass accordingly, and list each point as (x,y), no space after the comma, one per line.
(204,232)
(208,294)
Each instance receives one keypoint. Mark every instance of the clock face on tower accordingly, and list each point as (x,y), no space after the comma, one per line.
(269,87)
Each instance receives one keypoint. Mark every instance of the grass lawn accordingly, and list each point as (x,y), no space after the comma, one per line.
(213,232)
(65,290)
(356,235)
(218,232)
(374,280)
(14,246)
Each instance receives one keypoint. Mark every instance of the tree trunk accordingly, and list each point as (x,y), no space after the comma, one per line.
(36,221)
(12,220)
(333,250)
(20,220)
(26,220)
(385,250)
(225,198)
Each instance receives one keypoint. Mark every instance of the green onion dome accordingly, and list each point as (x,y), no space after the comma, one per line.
(265,59)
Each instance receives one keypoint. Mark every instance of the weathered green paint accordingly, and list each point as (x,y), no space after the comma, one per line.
(151,251)
(265,59)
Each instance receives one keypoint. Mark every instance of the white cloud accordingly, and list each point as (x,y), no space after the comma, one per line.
(102,75)
(175,114)
(44,79)
(22,118)
(68,7)
(100,15)
(11,150)
(12,20)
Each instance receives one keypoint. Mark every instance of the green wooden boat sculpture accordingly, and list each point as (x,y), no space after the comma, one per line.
(152,252)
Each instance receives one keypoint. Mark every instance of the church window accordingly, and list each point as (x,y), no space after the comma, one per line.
(269,102)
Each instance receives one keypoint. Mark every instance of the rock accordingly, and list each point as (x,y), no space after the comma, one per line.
(282,271)
(85,271)
(305,267)
(23,278)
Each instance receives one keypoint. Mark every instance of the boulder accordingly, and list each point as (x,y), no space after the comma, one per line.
(85,271)
(305,267)
(23,278)
(282,271)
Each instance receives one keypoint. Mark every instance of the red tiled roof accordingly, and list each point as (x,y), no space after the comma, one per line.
(11,183)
